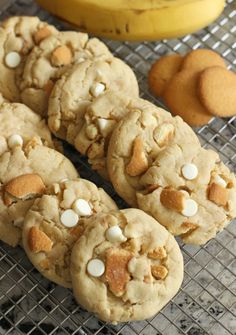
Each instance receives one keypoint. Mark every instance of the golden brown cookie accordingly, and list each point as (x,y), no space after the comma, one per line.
(217,87)
(162,71)
(126,266)
(181,98)
(200,59)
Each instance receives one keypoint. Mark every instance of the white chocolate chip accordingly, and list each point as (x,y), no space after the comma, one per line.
(13,59)
(69,218)
(220,181)
(185,193)
(105,126)
(82,207)
(63,180)
(97,89)
(56,188)
(102,123)
(114,234)
(190,208)
(15,140)
(189,171)
(95,267)
(80,60)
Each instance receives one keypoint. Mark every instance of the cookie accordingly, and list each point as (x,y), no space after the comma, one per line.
(80,86)
(181,97)
(194,198)
(56,221)
(217,87)
(162,71)
(126,266)
(136,143)
(50,59)
(19,124)
(18,35)
(25,171)
(200,59)
(99,120)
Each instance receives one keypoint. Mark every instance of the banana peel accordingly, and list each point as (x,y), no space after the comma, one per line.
(136,19)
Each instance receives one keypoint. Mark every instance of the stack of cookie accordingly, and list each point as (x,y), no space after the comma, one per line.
(122,264)
(196,86)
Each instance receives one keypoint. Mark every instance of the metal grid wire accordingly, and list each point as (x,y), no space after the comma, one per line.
(206,303)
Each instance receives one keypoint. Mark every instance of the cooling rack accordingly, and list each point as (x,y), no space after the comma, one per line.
(206,303)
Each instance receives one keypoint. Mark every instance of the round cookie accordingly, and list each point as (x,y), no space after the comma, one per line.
(18,35)
(126,266)
(162,72)
(216,88)
(80,86)
(192,195)
(99,120)
(55,222)
(200,59)
(50,59)
(181,97)
(19,122)
(135,146)
(24,173)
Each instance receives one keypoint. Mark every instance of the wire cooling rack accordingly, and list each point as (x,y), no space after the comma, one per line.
(206,303)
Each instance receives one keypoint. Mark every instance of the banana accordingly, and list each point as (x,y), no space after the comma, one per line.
(136,19)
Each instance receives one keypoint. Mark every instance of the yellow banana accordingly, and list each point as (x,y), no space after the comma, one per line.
(136,19)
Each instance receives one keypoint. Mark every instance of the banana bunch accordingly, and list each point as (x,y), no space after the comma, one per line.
(136,19)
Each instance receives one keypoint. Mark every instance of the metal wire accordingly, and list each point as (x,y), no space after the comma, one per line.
(206,303)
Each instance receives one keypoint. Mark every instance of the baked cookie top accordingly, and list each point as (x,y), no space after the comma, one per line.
(56,221)
(18,35)
(80,86)
(99,120)
(25,171)
(19,124)
(136,143)
(125,266)
(50,59)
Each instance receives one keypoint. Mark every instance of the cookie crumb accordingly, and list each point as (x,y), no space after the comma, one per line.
(158,253)
(116,274)
(159,271)
(61,56)
(38,241)
(218,194)
(41,34)
(138,163)
(172,199)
